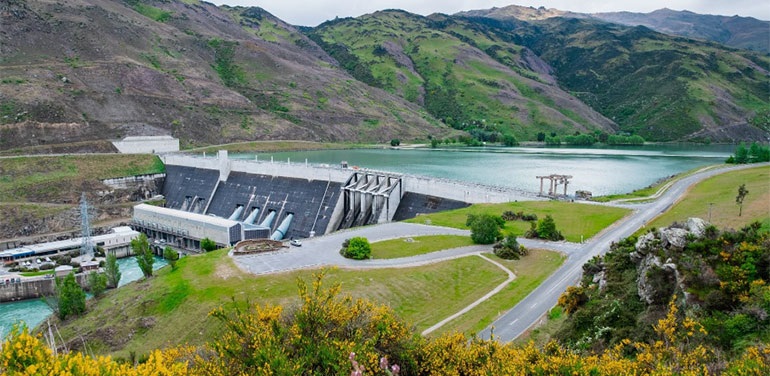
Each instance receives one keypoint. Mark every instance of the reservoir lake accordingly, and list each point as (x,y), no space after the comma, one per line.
(601,171)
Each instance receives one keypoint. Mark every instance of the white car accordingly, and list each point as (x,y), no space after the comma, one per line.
(296,242)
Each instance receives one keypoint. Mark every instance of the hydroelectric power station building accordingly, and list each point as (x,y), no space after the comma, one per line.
(229,200)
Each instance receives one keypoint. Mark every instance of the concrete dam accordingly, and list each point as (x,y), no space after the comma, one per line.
(228,200)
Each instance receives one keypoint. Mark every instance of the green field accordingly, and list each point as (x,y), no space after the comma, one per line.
(720,191)
(574,220)
(405,247)
(172,307)
(530,271)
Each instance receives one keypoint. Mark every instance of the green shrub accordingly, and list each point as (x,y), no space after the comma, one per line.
(357,248)
(509,249)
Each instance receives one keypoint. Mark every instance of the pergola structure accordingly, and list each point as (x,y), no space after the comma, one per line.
(554,181)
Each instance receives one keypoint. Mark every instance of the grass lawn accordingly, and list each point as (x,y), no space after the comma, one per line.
(172,307)
(652,189)
(721,191)
(530,271)
(36,274)
(572,219)
(396,248)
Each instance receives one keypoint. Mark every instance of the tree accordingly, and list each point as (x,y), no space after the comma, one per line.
(434,142)
(485,228)
(144,256)
(742,192)
(741,154)
(540,136)
(70,296)
(395,142)
(97,283)
(208,245)
(546,229)
(112,270)
(171,255)
(357,248)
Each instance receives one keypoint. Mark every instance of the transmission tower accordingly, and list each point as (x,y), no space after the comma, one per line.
(87,247)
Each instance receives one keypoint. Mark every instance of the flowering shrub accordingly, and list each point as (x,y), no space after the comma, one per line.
(332,335)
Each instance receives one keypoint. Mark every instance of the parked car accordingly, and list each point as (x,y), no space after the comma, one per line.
(296,242)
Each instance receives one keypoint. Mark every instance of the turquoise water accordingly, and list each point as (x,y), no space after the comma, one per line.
(601,171)
(34,311)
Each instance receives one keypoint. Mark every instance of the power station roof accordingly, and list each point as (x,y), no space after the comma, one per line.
(217,221)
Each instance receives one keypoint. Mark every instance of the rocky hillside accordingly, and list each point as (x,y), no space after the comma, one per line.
(716,279)
(734,31)
(85,71)
(80,70)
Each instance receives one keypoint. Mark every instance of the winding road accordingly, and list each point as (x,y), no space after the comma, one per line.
(323,251)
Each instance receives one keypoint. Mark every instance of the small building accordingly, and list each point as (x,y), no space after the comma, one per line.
(147,144)
(87,266)
(63,270)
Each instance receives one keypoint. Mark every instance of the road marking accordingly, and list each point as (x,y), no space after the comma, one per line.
(534,305)
(513,322)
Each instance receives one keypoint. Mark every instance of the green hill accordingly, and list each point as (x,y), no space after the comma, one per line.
(465,69)
(459,73)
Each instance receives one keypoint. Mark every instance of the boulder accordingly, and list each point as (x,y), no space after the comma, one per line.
(697,226)
(673,237)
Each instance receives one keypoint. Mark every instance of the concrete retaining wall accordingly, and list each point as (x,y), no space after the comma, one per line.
(33,288)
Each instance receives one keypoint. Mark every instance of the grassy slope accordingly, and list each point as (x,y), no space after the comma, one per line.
(721,190)
(572,219)
(460,81)
(530,272)
(173,306)
(395,248)
(658,86)
(57,179)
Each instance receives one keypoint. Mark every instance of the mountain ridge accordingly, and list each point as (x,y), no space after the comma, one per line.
(85,71)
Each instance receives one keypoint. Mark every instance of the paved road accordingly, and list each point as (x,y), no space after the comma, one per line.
(324,250)
(525,314)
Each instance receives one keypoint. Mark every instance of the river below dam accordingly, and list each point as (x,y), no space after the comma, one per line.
(34,311)
(602,171)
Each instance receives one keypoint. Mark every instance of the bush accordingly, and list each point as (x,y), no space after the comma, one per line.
(357,248)
(395,142)
(509,249)
(208,245)
(485,228)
